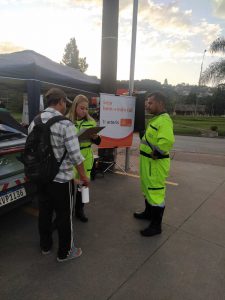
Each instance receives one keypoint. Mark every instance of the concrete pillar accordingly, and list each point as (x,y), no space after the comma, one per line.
(109,46)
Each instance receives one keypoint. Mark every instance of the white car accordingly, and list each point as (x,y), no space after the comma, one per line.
(15,189)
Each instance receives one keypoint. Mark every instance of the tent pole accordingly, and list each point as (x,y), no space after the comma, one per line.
(33,96)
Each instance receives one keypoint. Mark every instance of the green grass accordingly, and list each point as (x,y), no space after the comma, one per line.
(184,125)
(197,125)
(189,125)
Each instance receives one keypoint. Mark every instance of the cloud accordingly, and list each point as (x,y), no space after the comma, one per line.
(75,2)
(181,46)
(219,8)
(208,31)
(158,22)
(83,3)
(165,17)
(167,35)
(170,20)
(8,47)
(54,3)
(125,5)
(164,49)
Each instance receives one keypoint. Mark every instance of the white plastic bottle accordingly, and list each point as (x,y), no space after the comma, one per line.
(85,194)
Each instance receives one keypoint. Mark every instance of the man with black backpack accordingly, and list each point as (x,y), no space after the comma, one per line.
(51,151)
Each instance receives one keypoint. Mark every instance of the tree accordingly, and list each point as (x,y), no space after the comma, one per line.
(71,57)
(218,100)
(165,82)
(191,99)
(215,71)
(83,64)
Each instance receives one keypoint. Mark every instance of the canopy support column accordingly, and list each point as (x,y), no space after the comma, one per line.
(33,96)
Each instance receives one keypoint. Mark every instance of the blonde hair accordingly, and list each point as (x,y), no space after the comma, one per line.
(72,115)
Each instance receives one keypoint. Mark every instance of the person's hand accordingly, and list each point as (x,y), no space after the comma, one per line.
(76,181)
(94,136)
(85,181)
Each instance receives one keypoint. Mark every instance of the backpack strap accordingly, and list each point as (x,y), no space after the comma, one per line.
(49,123)
(55,119)
(37,120)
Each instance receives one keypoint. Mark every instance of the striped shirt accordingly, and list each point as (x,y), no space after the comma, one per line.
(63,137)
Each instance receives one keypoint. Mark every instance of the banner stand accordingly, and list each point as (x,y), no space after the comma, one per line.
(107,160)
(117,116)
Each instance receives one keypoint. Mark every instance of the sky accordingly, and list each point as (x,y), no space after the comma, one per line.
(171,35)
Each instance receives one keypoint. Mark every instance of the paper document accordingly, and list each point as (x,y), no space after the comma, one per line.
(85,134)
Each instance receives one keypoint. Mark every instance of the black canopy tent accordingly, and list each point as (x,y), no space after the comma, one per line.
(34,73)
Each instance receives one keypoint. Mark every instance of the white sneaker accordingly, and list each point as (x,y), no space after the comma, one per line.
(74,253)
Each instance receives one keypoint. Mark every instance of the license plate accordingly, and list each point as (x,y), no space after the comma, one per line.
(12,196)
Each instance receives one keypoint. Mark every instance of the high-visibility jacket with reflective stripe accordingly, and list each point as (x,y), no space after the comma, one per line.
(85,147)
(158,135)
(158,138)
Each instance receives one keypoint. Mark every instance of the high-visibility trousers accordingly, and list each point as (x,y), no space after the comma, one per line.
(88,162)
(153,174)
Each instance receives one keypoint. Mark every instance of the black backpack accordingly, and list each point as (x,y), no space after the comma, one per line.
(40,164)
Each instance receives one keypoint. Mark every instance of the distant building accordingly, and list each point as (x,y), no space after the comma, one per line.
(189,109)
(200,91)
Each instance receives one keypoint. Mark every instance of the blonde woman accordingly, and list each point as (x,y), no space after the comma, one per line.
(79,115)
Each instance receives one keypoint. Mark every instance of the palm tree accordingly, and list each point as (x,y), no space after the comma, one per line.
(215,71)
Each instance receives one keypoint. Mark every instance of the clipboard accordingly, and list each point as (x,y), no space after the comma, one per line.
(85,134)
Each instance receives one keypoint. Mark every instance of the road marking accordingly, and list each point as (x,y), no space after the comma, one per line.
(127,174)
(172,183)
(137,176)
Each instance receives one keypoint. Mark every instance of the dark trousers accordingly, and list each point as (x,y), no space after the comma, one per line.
(56,197)
(79,205)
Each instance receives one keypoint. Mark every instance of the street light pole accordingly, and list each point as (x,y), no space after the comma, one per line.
(199,81)
(200,75)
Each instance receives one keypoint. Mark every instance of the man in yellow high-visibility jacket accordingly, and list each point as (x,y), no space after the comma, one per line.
(156,143)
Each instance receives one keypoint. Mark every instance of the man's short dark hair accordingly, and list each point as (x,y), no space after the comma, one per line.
(158,96)
(54,95)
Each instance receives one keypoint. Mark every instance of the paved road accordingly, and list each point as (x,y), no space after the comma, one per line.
(187,148)
(185,262)
(215,146)
(117,263)
(200,145)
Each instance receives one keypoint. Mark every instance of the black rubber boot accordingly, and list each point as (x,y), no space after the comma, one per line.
(146,214)
(155,226)
(79,208)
